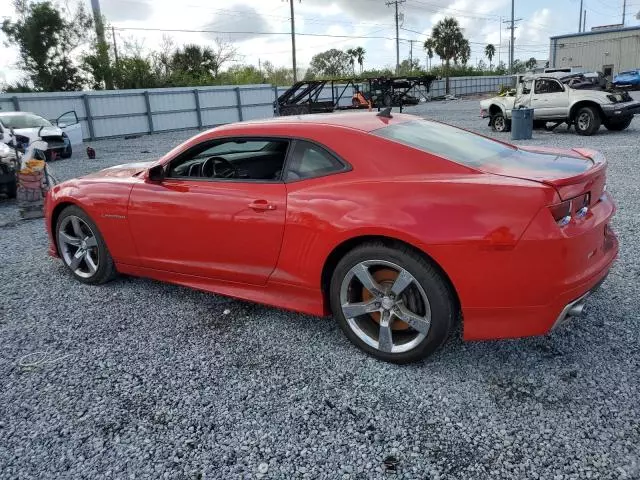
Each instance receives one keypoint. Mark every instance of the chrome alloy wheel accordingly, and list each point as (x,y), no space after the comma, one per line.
(500,123)
(584,121)
(392,317)
(78,246)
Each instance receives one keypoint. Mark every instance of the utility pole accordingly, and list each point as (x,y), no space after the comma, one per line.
(624,11)
(500,43)
(396,2)
(411,42)
(293,42)
(513,7)
(102,42)
(584,22)
(512,27)
(115,45)
(580,17)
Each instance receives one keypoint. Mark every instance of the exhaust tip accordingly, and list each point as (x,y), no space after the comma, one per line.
(576,310)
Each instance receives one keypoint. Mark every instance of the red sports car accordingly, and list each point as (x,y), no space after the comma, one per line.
(399,226)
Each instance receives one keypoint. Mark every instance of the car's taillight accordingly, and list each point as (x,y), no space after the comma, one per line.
(576,207)
(562,212)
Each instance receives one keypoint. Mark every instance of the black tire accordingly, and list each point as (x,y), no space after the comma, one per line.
(499,123)
(443,310)
(67,152)
(618,124)
(587,121)
(106,269)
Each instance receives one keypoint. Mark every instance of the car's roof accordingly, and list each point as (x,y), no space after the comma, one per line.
(364,121)
(6,114)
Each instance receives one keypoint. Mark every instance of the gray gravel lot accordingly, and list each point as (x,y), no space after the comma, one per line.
(139,379)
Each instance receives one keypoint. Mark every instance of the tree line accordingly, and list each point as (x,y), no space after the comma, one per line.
(59,51)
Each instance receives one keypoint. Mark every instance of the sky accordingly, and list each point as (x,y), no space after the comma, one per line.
(324,24)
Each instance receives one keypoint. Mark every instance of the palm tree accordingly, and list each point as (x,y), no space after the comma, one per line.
(352,58)
(449,43)
(490,52)
(428,46)
(359,54)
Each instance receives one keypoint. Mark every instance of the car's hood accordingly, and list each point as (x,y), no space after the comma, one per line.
(32,133)
(121,171)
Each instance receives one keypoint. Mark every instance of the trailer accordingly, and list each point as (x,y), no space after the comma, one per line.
(304,97)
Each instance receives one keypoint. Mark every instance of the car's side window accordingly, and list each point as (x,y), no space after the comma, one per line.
(232,158)
(309,160)
(548,86)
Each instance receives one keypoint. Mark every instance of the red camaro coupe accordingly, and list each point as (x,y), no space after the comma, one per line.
(397,225)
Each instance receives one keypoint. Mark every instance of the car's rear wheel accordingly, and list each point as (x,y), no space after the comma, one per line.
(82,247)
(391,302)
(618,124)
(587,121)
(499,123)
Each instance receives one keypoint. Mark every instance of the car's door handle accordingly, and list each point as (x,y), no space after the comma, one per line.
(262,205)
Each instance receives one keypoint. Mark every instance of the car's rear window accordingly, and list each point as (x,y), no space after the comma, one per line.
(445,141)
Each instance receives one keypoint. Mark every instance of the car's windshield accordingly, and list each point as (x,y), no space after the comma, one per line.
(24,120)
(449,142)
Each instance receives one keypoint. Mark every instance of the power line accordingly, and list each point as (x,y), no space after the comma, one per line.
(461,13)
(247,32)
(473,43)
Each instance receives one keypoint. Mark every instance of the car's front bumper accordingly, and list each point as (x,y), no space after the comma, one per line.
(623,109)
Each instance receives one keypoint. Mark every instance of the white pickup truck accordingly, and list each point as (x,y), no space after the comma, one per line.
(557,98)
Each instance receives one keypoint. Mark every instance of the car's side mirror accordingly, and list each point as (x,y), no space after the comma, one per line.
(156,173)
(62,125)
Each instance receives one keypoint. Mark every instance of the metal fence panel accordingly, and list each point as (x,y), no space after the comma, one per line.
(174,121)
(6,105)
(219,116)
(172,101)
(111,127)
(257,112)
(129,104)
(217,98)
(121,112)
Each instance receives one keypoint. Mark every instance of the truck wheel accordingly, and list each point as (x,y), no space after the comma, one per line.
(499,123)
(587,121)
(618,124)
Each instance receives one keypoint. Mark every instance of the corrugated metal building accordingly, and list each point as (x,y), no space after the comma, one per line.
(605,50)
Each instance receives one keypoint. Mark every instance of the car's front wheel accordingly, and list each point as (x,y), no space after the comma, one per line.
(587,121)
(82,248)
(618,124)
(67,152)
(391,302)
(499,123)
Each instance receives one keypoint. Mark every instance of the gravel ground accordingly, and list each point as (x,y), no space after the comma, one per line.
(138,379)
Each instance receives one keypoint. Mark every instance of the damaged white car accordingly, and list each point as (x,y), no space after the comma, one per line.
(557,98)
(29,127)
